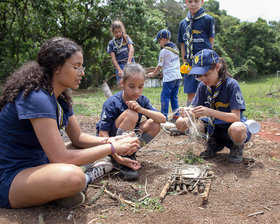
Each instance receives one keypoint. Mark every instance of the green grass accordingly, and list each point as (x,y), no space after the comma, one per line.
(259,105)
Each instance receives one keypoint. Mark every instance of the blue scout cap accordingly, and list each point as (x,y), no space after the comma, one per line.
(202,61)
(163,34)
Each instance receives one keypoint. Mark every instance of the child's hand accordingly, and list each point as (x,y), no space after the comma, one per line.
(133,164)
(133,105)
(201,111)
(118,137)
(120,72)
(126,145)
(184,111)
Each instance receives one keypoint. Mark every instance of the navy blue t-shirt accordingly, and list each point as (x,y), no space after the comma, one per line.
(120,48)
(230,98)
(203,29)
(114,107)
(19,145)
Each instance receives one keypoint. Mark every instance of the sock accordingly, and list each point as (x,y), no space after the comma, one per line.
(85,167)
(188,103)
(120,131)
(88,180)
(146,137)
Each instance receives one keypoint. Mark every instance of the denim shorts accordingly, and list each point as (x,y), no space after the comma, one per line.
(190,84)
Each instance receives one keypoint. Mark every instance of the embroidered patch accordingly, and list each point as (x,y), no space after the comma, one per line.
(239,97)
(160,59)
(103,117)
(196,59)
(197,31)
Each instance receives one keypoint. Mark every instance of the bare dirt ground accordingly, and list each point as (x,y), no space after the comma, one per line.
(239,193)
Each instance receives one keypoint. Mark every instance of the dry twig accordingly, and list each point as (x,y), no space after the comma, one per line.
(98,194)
(256,213)
(119,198)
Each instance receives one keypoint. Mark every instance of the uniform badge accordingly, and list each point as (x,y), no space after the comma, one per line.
(239,97)
(196,59)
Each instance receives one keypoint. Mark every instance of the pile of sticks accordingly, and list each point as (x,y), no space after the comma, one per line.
(189,178)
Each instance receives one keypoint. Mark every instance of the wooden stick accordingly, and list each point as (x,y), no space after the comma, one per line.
(98,194)
(205,194)
(143,198)
(119,198)
(256,213)
(165,189)
(146,182)
(147,195)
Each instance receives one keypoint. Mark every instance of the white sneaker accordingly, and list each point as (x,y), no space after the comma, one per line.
(99,169)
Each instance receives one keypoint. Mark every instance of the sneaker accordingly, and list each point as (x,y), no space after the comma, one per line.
(126,173)
(236,154)
(99,169)
(71,201)
(212,148)
(174,118)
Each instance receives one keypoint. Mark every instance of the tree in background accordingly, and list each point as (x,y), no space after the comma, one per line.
(25,24)
(250,49)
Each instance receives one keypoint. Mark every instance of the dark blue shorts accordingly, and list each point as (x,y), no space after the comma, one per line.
(190,84)
(5,185)
(7,176)
(221,135)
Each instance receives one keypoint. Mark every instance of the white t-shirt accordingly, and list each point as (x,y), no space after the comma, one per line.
(170,63)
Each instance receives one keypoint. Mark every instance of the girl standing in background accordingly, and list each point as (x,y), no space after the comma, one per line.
(120,48)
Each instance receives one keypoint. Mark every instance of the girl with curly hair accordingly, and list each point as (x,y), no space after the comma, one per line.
(36,166)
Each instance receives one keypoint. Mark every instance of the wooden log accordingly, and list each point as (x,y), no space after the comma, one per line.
(106,89)
(165,190)
(205,194)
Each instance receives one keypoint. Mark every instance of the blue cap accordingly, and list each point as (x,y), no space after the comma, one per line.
(163,34)
(202,61)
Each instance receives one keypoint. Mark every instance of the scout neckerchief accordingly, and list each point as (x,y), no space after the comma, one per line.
(59,118)
(189,43)
(120,41)
(172,47)
(212,96)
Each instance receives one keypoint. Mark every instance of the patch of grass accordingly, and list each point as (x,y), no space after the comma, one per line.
(259,106)
(190,158)
(151,204)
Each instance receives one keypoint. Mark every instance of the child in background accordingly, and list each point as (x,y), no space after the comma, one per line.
(170,63)
(120,48)
(219,103)
(123,112)
(196,32)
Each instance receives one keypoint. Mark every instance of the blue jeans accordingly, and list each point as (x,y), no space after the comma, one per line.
(170,92)
(117,73)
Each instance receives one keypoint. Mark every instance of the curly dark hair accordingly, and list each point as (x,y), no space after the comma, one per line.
(38,74)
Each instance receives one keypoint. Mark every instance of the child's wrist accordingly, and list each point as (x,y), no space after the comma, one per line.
(112,148)
(105,140)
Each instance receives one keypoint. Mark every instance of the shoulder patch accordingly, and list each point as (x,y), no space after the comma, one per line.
(239,97)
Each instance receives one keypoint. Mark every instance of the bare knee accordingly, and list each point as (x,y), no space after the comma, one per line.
(154,128)
(128,117)
(237,131)
(72,177)
(151,127)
